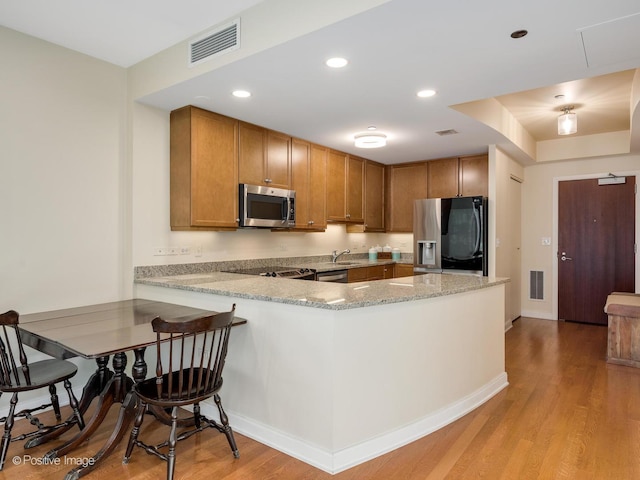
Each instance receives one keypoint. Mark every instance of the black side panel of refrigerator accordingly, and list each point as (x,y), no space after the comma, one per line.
(464,234)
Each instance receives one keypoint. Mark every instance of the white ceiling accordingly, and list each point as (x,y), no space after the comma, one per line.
(460,48)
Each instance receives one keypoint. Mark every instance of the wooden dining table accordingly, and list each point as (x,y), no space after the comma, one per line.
(99,332)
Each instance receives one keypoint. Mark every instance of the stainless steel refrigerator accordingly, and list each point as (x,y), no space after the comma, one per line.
(450,235)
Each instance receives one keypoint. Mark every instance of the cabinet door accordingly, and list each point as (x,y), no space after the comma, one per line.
(308,179)
(203,170)
(443,178)
(278,160)
(355,189)
(300,180)
(360,274)
(318,187)
(406,183)
(474,175)
(374,197)
(403,270)
(252,154)
(376,273)
(336,186)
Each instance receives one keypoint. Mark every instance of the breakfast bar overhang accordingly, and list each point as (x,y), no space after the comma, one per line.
(337,374)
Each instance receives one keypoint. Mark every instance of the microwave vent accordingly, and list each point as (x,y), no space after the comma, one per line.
(223,40)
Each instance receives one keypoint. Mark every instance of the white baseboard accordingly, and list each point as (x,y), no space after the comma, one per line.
(338,461)
(537,314)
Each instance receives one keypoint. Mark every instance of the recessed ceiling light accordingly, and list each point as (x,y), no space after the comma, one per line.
(519,33)
(241,93)
(337,62)
(371,127)
(426,93)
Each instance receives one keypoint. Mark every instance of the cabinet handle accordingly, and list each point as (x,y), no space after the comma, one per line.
(348,215)
(267,180)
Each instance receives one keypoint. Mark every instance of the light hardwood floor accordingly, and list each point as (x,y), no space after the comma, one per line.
(566,414)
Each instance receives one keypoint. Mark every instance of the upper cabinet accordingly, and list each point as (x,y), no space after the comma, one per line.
(474,176)
(404,184)
(309,179)
(459,177)
(345,188)
(264,157)
(374,197)
(204,172)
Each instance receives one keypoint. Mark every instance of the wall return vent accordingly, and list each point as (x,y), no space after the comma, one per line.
(536,285)
(223,39)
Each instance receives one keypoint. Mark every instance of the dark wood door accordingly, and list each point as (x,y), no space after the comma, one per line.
(595,246)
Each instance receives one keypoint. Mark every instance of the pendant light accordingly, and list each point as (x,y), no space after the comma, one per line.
(568,121)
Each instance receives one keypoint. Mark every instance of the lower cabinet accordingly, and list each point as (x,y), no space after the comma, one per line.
(403,270)
(370,273)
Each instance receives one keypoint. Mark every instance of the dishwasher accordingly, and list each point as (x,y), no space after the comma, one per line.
(335,276)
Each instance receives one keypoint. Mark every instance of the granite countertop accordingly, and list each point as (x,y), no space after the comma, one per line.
(333,296)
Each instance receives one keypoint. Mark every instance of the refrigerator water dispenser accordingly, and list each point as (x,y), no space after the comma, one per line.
(427,252)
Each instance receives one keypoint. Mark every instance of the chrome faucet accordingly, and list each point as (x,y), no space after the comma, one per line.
(335,255)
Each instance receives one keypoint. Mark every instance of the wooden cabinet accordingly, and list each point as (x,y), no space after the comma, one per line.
(374,197)
(459,177)
(345,188)
(404,184)
(308,179)
(368,274)
(203,170)
(403,270)
(474,175)
(264,157)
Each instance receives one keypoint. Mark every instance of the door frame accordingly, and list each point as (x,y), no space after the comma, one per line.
(554,243)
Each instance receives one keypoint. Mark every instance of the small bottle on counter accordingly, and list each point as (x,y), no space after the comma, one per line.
(373,254)
(395,254)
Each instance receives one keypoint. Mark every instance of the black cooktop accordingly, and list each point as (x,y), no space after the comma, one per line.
(275,271)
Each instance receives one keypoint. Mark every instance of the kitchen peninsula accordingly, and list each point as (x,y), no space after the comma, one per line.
(337,374)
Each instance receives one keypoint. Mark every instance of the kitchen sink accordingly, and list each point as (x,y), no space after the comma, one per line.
(343,263)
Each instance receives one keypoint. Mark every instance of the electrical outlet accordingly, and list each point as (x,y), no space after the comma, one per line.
(185,250)
(173,251)
(159,251)
(197,251)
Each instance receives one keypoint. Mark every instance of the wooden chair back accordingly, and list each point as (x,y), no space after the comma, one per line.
(14,369)
(191,356)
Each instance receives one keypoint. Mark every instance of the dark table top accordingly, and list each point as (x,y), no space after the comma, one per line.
(94,331)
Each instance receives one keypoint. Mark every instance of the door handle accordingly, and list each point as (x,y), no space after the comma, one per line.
(564,257)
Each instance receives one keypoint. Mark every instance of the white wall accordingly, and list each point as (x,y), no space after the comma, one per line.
(62,150)
(539,217)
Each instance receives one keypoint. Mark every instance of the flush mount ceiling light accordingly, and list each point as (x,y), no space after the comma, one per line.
(370,140)
(337,62)
(568,121)
(241,93)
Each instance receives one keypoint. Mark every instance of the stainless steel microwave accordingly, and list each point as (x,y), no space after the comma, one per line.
(266,207)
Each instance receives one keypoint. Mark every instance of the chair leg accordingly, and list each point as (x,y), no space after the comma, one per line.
(171,456)
(54,401)
(225,424)
(8,425)
(73,403)
(135,431)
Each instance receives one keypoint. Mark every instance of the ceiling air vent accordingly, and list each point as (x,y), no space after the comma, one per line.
(223,40)
(451,131)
